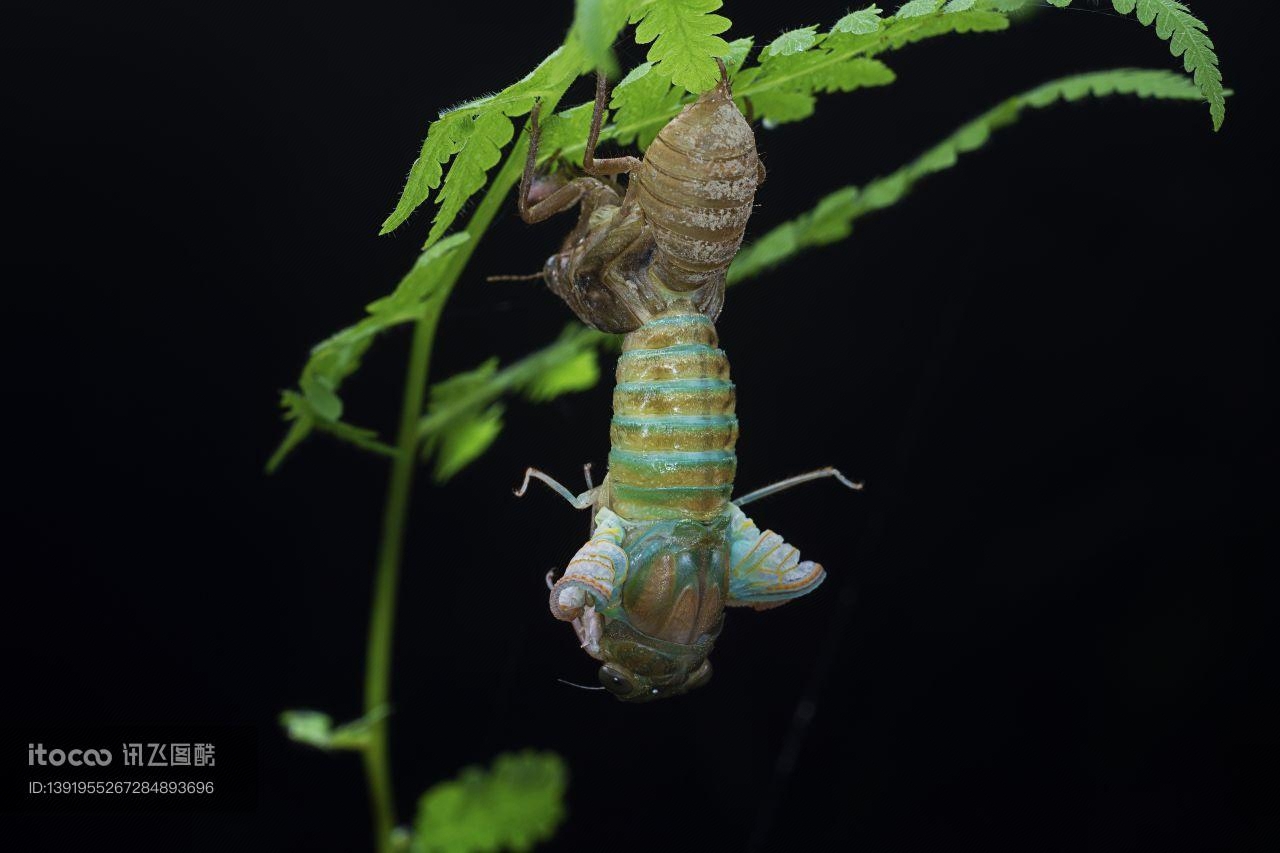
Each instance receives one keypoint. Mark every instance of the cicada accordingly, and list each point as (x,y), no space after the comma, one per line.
(670,547)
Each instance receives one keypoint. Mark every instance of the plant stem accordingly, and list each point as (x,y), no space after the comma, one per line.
(395,513)
(377,685)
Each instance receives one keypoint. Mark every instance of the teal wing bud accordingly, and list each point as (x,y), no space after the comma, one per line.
(765,571)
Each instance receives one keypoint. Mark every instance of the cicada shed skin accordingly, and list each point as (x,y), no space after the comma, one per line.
(670,549)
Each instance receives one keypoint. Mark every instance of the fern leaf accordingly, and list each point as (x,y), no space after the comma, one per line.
(801,64)
(471,136)
(465,442)
(639,97)
(832,218)
(901,31)
(644,101)
(491,131)
(445,138)
(786,89)
(463,416)
(579,372)
(685,38)
(316,405)
(513,805)
(1188,39)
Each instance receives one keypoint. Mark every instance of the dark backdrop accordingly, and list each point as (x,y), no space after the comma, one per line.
(1054,367)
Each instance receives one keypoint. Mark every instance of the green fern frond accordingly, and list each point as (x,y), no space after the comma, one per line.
(685,38)
(316,405)
(832,218)
(471,137)
(1188,39)
(801,64)
(464,144)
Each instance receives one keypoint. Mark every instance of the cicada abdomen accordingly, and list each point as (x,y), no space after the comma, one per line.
(674,428)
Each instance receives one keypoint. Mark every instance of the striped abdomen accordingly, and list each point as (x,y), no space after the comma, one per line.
(696,186)
(674,427)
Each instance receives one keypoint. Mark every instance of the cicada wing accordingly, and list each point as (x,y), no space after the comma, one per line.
(764,570)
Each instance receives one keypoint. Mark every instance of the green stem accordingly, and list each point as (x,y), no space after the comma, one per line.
(377,684)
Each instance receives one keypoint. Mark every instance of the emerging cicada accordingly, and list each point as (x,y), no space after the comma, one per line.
(670,549)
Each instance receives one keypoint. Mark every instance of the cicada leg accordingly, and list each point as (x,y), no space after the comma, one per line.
(561,198)
(609,165)
(582,501)
(592,581)
(799,479)
(589,626)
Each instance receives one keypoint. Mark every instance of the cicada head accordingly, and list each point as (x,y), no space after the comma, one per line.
(641,668)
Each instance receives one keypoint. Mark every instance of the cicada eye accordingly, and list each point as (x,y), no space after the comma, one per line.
(616,681)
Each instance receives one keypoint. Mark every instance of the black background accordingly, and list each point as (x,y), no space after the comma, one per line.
(1054,367)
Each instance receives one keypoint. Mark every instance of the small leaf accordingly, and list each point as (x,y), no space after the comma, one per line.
(738,52)
(470,426)
(465,442)
(792,41)
(513,805)
(685,40)
(578,373)
(861,23)
(785,88)
(917,8)
(315,728)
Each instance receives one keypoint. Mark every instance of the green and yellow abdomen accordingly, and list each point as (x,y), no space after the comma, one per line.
(674,428)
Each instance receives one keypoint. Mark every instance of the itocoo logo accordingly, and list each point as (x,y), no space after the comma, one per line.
(37,754)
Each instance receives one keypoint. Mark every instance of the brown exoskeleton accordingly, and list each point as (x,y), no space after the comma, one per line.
(671,235)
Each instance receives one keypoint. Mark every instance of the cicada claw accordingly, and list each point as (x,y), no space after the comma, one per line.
(589,627)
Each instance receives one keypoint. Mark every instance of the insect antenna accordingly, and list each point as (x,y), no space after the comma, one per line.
(529,277)
(579,686)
